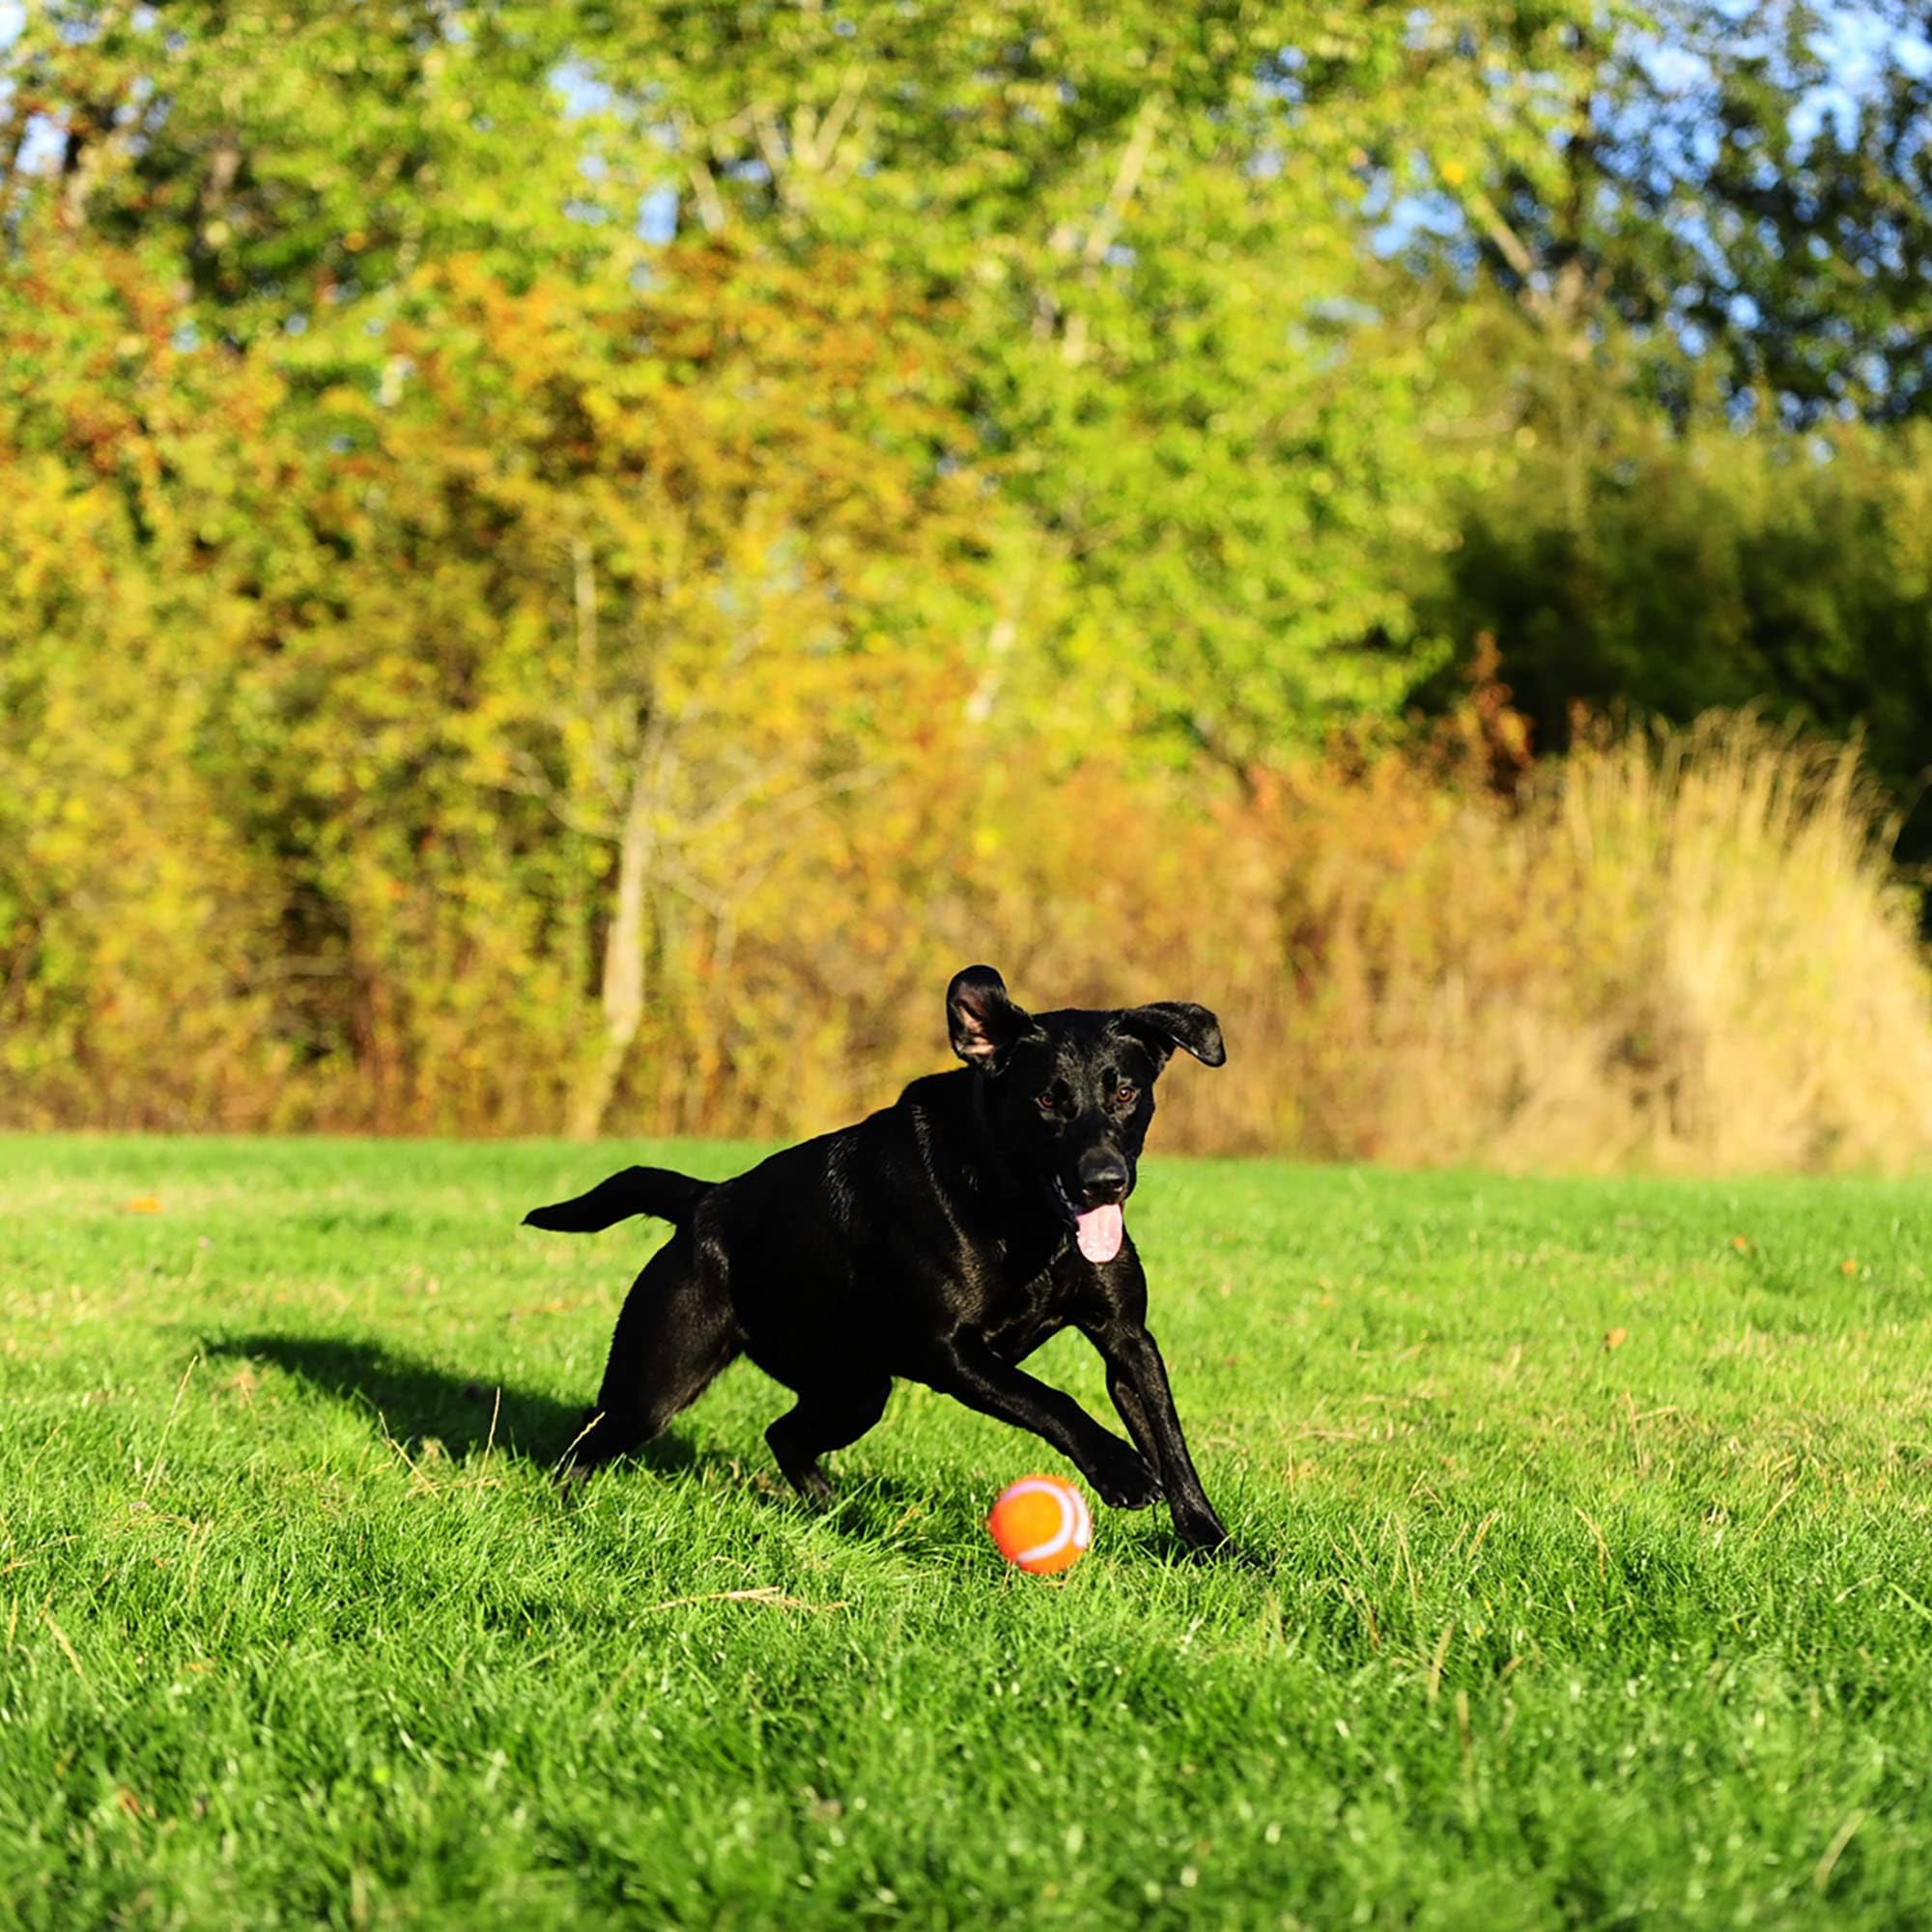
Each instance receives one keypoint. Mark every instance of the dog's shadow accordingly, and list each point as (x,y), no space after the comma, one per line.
(416,1402)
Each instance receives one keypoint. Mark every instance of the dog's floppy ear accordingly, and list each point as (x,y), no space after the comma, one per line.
(1171,1023)
(982,1021)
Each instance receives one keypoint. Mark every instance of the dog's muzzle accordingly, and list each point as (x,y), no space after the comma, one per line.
(1098,1232)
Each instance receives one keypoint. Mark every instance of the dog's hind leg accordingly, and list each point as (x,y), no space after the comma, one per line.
(824,1419)
(675,1333)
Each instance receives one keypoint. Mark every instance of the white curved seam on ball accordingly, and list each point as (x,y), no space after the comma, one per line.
(1070,1522)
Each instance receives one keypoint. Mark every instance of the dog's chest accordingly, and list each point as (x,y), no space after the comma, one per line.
(1022,1306)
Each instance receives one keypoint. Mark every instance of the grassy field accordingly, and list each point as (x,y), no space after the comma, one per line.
(1589,1578)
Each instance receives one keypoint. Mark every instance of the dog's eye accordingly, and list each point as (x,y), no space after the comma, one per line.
(1049,1103)
(1126,1093)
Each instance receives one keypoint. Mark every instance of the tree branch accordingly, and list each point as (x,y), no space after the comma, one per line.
(711,208)
(1127,179)
(1509,244)
(1106,227)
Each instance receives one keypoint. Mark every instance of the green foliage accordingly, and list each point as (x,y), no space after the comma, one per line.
(450,646)
(127,899)
(1144,228)
(1795,573)
(1742,193)
(1826,230)
(1584,1520)
(1172,346)
(293,159)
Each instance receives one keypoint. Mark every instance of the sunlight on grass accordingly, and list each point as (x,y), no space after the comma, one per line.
(1584,1524)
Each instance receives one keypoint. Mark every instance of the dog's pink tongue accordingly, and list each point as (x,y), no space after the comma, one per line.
(1098,1232)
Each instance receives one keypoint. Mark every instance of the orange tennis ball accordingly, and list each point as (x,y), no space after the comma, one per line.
(1041,1523)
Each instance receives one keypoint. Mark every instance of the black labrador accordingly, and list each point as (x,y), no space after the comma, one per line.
(943,1239)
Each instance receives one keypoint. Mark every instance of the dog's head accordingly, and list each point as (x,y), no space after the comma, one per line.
(1069,1094)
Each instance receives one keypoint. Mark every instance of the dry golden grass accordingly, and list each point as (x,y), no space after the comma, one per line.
(1681,951)
(1677,950)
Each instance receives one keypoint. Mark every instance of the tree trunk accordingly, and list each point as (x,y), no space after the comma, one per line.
(623,962)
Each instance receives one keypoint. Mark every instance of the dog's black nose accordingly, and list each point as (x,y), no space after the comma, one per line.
(1103,1176)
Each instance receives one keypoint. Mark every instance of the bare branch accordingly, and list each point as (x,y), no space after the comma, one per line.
(1107,228)
(531,781)
(1127,179)
(771,145)
(711,209)
(815,142)
(1510,245)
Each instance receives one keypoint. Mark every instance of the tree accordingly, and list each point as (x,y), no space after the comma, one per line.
(1755,227)
(1175,350)
(296,158)
(139,484)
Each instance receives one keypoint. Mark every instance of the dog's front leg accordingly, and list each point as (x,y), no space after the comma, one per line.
(1137,1381)
(967,1369)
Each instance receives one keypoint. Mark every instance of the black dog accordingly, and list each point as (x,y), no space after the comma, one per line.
(943,1239)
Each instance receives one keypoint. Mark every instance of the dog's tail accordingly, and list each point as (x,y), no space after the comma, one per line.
(637,1190)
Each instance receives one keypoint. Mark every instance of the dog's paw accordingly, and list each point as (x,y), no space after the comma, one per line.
(1202,1530)
(813,1485)
(1123,1479)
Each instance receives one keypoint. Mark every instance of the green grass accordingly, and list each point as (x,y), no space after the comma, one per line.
(1538,1630)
